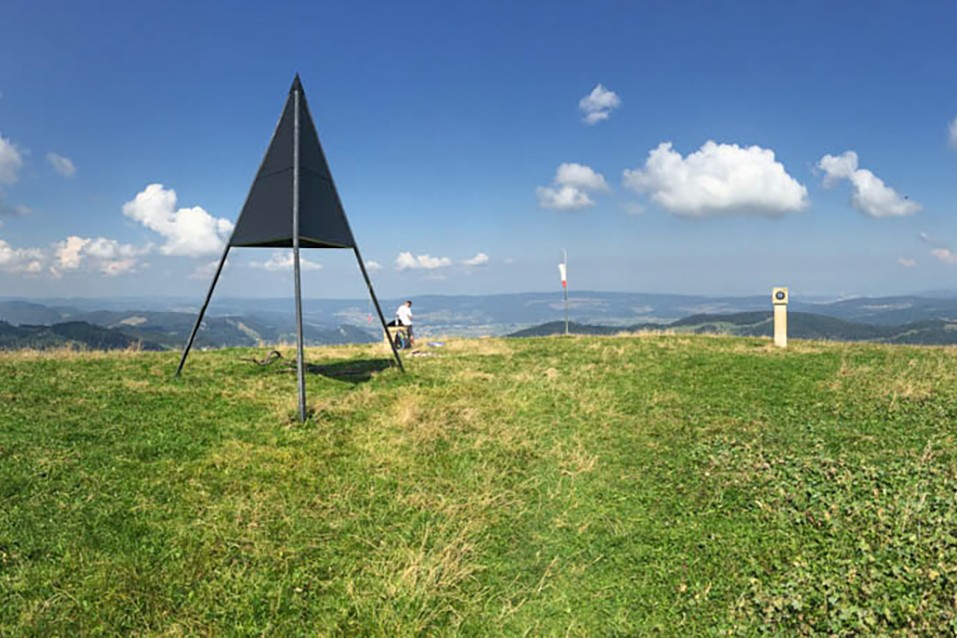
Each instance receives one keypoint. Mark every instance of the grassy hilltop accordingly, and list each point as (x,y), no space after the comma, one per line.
(584,486)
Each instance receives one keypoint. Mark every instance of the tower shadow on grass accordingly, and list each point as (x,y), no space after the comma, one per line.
(355,371)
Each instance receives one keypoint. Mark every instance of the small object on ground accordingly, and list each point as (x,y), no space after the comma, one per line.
(435,344)
(419,353)
(270,358)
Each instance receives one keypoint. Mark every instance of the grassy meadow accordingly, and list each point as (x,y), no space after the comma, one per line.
(616,486)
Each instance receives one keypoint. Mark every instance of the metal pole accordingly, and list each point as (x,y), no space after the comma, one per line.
(300,361)
(202,311)
(565,290)
(378,309)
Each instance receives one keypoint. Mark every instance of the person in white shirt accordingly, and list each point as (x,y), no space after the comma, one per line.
(403,317)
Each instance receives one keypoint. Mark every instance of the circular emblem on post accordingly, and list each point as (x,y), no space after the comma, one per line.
(779,295)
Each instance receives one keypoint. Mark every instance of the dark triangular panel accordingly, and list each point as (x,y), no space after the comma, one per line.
(321,218)
(266,217)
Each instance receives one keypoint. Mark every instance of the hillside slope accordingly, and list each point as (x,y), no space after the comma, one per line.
(674,484)
(77,334)
(801,325)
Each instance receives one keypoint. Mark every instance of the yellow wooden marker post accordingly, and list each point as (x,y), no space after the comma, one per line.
(779,297)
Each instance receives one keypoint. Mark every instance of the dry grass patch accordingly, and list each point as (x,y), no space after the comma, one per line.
(574,458)
(73,354)
(439,561)
(137,385)
(595,401)
(468,374)
(903,377)
(480,347)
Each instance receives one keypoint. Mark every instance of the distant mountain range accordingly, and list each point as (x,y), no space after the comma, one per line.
(30,324)
(71,333)
(165,322)
(801,325)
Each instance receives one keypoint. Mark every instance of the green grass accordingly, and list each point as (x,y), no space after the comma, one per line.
(566,486)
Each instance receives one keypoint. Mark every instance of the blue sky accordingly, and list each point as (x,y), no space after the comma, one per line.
(689,147)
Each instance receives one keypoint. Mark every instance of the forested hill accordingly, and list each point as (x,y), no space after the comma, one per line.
(801,325)
(71,333)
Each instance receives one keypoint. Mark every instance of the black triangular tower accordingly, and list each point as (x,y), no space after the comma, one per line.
(292,203)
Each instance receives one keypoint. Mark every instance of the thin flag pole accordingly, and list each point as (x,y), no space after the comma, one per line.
(202,311)
(300,359)
(565,287)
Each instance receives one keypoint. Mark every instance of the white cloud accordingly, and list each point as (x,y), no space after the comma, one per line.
(563,198)
(570,186)
(190,232)
(283,260)
(406,261)
(69,252)
(580,176)
(944,255)
(62,165)
(718,179)
(107,256)
(598,104)
(373,266)
(871,196)
(906,263)
(952,132)
(118,267)
(10,161)
(480,259)
(20,260)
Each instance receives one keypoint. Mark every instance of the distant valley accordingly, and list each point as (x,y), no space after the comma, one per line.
(158,323)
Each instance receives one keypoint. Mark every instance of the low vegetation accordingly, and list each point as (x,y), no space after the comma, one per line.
(801,325)
(666,484)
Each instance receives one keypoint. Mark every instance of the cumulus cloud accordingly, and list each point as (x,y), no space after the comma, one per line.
(69,253)
(283,260)
(480,259)
(598,105)
(944,255)
(580,176)
(563,198)
(107,256)
(373,266)
(20,260)
(952,133)
(906,262)
(408,261)
(570,187)
(99,254)
(10,161)
(62,165)
(189,232)
(718,179)
(871,195)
